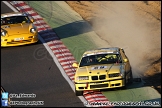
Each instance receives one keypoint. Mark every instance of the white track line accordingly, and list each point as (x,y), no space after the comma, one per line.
(10,6)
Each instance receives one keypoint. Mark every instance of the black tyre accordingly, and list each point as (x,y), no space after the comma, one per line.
(78,93)
(130,78)
(125,84)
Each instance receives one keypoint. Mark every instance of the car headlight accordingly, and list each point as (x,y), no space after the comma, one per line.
(3,33)
(122,74)
(32,30)
(82,78)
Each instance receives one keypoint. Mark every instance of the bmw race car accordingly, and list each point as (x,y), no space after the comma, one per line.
(17,29)
(102,69)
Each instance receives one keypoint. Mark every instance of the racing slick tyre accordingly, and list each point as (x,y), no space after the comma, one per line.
(125,83)
(78,93)
(130,80)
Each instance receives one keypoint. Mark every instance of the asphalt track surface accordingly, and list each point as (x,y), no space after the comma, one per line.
(30,69)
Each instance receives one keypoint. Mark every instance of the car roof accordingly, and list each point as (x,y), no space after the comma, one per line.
(12,14)
(102,51)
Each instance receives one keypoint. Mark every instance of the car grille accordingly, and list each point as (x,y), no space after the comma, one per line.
(100,77)
(17,42)
(114,75)
(99,86)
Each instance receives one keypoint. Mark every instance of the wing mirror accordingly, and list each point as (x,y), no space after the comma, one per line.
(125,60)
(75,65)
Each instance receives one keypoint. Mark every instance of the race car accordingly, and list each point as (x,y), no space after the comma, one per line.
(102,68)
(17,29)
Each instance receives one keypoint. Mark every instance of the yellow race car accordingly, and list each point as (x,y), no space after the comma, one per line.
(102,69)
(17,29)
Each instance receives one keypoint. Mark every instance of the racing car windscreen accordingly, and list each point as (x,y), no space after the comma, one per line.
(14,20)
(100,59)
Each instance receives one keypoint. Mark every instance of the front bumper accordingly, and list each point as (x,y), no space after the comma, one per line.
(28,39)
(100,85)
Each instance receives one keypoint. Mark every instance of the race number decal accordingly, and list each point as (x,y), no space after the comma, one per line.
(98,67)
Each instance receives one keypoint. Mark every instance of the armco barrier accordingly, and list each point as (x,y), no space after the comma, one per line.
(62,53)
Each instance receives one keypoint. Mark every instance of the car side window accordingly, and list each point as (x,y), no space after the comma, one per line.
(123,51)
(123,54)
(3,22)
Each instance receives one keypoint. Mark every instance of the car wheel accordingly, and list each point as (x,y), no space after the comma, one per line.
(130,78)
(78,93)
(125,84)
